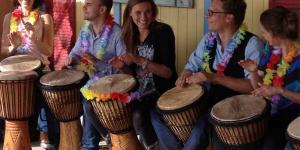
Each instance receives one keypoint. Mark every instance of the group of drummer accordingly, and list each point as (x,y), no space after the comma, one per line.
(228,61)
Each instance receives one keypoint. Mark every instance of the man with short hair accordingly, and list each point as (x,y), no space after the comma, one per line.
(215,64)
(99,44)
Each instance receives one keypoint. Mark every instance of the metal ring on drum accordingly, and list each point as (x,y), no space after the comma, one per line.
(17,96)
(240,122)
(113,114)
(181,108)
(61,91)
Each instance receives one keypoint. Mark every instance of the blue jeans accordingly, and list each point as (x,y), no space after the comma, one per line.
(92,128)
(275,138)
(198,139)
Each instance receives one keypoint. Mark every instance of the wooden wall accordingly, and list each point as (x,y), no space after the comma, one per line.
(188,24)
(5,7)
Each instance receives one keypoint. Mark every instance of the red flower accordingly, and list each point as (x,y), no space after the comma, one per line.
(123,98)
(114,96)
(220,69)
(84,61)
(17,13)
(278,81)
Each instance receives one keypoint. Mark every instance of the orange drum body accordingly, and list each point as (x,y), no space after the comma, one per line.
(115,115)
(241,122)
(16,105)
(61,91)
(293,133)
(181,108)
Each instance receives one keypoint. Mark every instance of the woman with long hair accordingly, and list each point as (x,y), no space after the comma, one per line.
(277,75)
(27,30)
(151,50)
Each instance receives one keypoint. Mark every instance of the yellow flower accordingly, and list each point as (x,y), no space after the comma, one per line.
(268,77)
(87,94)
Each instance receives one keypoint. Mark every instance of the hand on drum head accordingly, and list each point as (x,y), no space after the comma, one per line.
(128,58)
(198,77)
(116,62)
(181,81)
(249,65)
(69,61)
(266,90)
(89,57)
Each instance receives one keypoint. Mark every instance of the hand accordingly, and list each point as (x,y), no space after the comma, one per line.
(116,62)
(69,60)
(249,65)
(29,29)
(14,39)
(266,90)
(198,77)
(181,81)
(89,57)
(128,58)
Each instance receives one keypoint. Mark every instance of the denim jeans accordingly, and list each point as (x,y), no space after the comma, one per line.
(198,139)
(93,130)
(280,119)
(141,120)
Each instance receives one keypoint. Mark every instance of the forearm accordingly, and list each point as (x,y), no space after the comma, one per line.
(155,68)
(255,79)
(44,48)
(239,85)
(293,96)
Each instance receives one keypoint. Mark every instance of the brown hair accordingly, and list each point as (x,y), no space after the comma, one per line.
(130,33)
(107,3)
(279,21)
(237,8)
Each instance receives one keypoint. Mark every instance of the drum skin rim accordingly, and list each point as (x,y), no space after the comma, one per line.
(3,67)
(201,102)
(288,130)
(265,113)
(291,139)
(79,84)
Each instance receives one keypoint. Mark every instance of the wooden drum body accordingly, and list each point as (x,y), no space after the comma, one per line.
(293,133)
(61,91)
(16,105)
(241,121)
(181,108)
(114,115)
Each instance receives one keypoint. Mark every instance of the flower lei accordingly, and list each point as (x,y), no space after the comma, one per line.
(17,15)
(84,65)
(228,52)
(121,97)
(282,67)
(276,78)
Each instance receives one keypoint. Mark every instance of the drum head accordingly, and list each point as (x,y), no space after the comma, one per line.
(61,77)
(294,129)
(20,63)
(15,75)
(176,98)
(119,83)
(238,108)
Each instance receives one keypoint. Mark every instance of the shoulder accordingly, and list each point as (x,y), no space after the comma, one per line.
(162,27)
(116,28)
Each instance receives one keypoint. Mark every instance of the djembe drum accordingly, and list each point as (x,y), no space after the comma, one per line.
(20,63)
(293,133)
(240,122)
(61,91)
(114,114)
(181,108)
(17,93)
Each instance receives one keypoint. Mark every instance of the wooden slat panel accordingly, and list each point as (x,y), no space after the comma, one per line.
(182,39)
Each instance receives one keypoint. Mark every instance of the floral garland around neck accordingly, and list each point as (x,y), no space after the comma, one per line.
(276,77)
(17,15)
(228,52)
(84,65)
